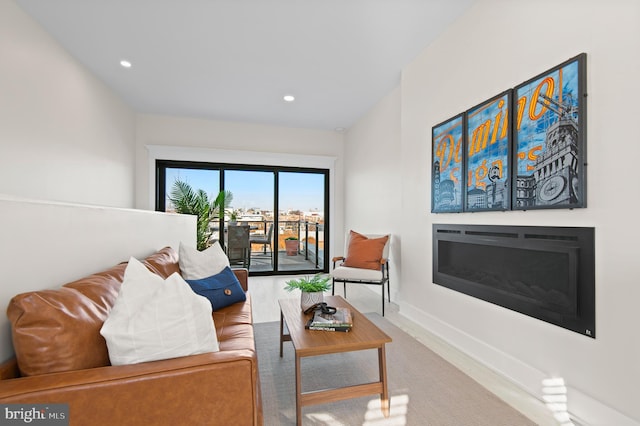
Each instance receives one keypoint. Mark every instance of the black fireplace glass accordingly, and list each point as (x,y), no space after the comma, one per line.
(543,272)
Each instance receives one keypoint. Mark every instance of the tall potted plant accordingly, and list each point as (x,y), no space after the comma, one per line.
(187,201)
(312,289)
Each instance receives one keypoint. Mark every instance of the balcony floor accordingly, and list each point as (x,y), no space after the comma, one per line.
(261,262)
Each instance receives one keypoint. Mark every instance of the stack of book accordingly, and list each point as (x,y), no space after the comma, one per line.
(340,321)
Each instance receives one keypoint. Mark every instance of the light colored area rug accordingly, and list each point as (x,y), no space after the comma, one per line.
(425,389)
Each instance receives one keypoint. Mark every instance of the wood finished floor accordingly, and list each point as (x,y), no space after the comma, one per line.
(265,292)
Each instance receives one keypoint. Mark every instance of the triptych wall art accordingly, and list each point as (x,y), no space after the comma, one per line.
(523,149)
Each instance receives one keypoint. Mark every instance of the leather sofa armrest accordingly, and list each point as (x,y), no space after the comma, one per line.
(243,276)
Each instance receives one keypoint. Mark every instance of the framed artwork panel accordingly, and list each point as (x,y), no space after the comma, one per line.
(549,123)
(488,155)
(447,160)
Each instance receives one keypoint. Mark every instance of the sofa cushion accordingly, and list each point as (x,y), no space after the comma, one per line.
(155,319)
(195,265)
(164,262)
(222,289)
(102,287)
(57,330)
(234,326)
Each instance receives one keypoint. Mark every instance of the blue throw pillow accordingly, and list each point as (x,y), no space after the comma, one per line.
(222,289)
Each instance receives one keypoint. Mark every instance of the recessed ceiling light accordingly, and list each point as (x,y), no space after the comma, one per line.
(125,63)
(289,98)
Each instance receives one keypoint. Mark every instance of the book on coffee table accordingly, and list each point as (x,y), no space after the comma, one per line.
(339,321)
(308,326)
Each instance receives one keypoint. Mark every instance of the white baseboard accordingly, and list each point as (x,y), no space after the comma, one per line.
(513,381)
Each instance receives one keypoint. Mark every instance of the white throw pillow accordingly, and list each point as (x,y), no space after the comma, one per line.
(195,265)
(155,319)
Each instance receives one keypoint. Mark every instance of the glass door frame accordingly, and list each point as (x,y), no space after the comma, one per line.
(160,201)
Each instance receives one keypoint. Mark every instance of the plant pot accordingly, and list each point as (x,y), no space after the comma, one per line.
(291,246)
(307,299)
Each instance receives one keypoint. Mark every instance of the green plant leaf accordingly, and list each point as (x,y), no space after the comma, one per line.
(318,282)
(187,201)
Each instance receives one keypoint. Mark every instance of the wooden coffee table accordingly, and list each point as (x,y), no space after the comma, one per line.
(364,335)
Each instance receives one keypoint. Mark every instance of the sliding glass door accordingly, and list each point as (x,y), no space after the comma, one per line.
(301,200)
(276,222)
(252,206)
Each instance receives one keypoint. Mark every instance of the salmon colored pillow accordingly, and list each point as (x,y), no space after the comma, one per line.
(363,252)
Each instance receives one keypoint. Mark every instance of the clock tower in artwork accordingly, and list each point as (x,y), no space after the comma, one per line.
(556,169)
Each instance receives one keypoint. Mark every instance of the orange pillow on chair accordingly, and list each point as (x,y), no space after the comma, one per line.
(363,252)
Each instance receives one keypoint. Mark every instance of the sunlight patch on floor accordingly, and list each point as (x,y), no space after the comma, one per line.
(373,416)
(397,414)
(324,419)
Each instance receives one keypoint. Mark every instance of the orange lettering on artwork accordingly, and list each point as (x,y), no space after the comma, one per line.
(522,102)
(452,174)
(479,138)
(532,152)
(446,143)
(534,98)
(456,156)
(496,123)
(505,125)
(533,156)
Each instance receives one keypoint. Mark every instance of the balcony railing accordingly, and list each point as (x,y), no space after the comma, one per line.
(310,253)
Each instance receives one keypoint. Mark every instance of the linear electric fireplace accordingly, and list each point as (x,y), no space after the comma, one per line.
(544,272)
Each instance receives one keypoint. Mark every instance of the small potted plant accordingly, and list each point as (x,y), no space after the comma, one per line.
(291,246)
(233,217)
(312,289)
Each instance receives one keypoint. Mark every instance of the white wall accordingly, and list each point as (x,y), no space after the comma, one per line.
(63,134)
(373,179)
(208,140)
(496,45)
(72,242)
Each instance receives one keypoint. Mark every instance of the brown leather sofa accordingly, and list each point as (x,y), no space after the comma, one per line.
(62,358)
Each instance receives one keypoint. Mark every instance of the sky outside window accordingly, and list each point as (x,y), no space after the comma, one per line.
(207,180)
(301,191)
(250,189)
(255,189)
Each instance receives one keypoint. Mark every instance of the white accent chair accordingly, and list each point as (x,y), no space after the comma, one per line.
(346,274)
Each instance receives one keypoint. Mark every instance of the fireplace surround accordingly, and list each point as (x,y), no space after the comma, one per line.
(546,273)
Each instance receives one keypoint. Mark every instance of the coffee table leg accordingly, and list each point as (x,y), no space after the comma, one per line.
(384,396)
(298,393)
(281,331)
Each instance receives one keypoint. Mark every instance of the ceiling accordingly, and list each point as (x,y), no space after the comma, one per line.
(236,59)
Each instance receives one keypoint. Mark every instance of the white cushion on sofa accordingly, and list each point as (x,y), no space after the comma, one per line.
(195,265)
(155,319)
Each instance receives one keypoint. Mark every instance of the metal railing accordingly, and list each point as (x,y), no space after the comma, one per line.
(309,234)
